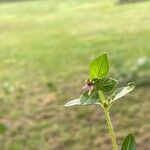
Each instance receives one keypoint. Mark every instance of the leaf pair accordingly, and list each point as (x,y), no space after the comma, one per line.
(93,98)
(129,143)
(98,76)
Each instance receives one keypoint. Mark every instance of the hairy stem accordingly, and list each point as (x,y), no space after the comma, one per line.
(106,107)
(102,97)
(110,128)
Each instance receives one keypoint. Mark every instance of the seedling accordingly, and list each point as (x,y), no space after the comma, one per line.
(96,88)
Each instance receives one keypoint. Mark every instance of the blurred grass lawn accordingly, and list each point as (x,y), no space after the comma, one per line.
(45,50)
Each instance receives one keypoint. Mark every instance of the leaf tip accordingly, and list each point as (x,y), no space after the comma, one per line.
(129,142)
(104,54)
(66,105)
(72,103)
(131,85)
(131,135)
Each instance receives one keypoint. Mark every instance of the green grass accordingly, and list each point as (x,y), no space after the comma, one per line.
(45,50)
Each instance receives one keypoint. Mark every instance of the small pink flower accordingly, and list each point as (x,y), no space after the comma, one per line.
(89,86)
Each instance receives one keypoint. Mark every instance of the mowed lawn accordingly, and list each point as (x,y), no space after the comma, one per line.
(45,50)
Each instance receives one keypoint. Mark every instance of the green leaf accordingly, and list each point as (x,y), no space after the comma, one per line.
(122,91)
(85,99)
(3,128)
(99,67)
(129,143)
(73,103)
(105,84)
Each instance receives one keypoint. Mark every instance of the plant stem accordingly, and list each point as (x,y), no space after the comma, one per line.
(107,117)
(110,128)
(103,99)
